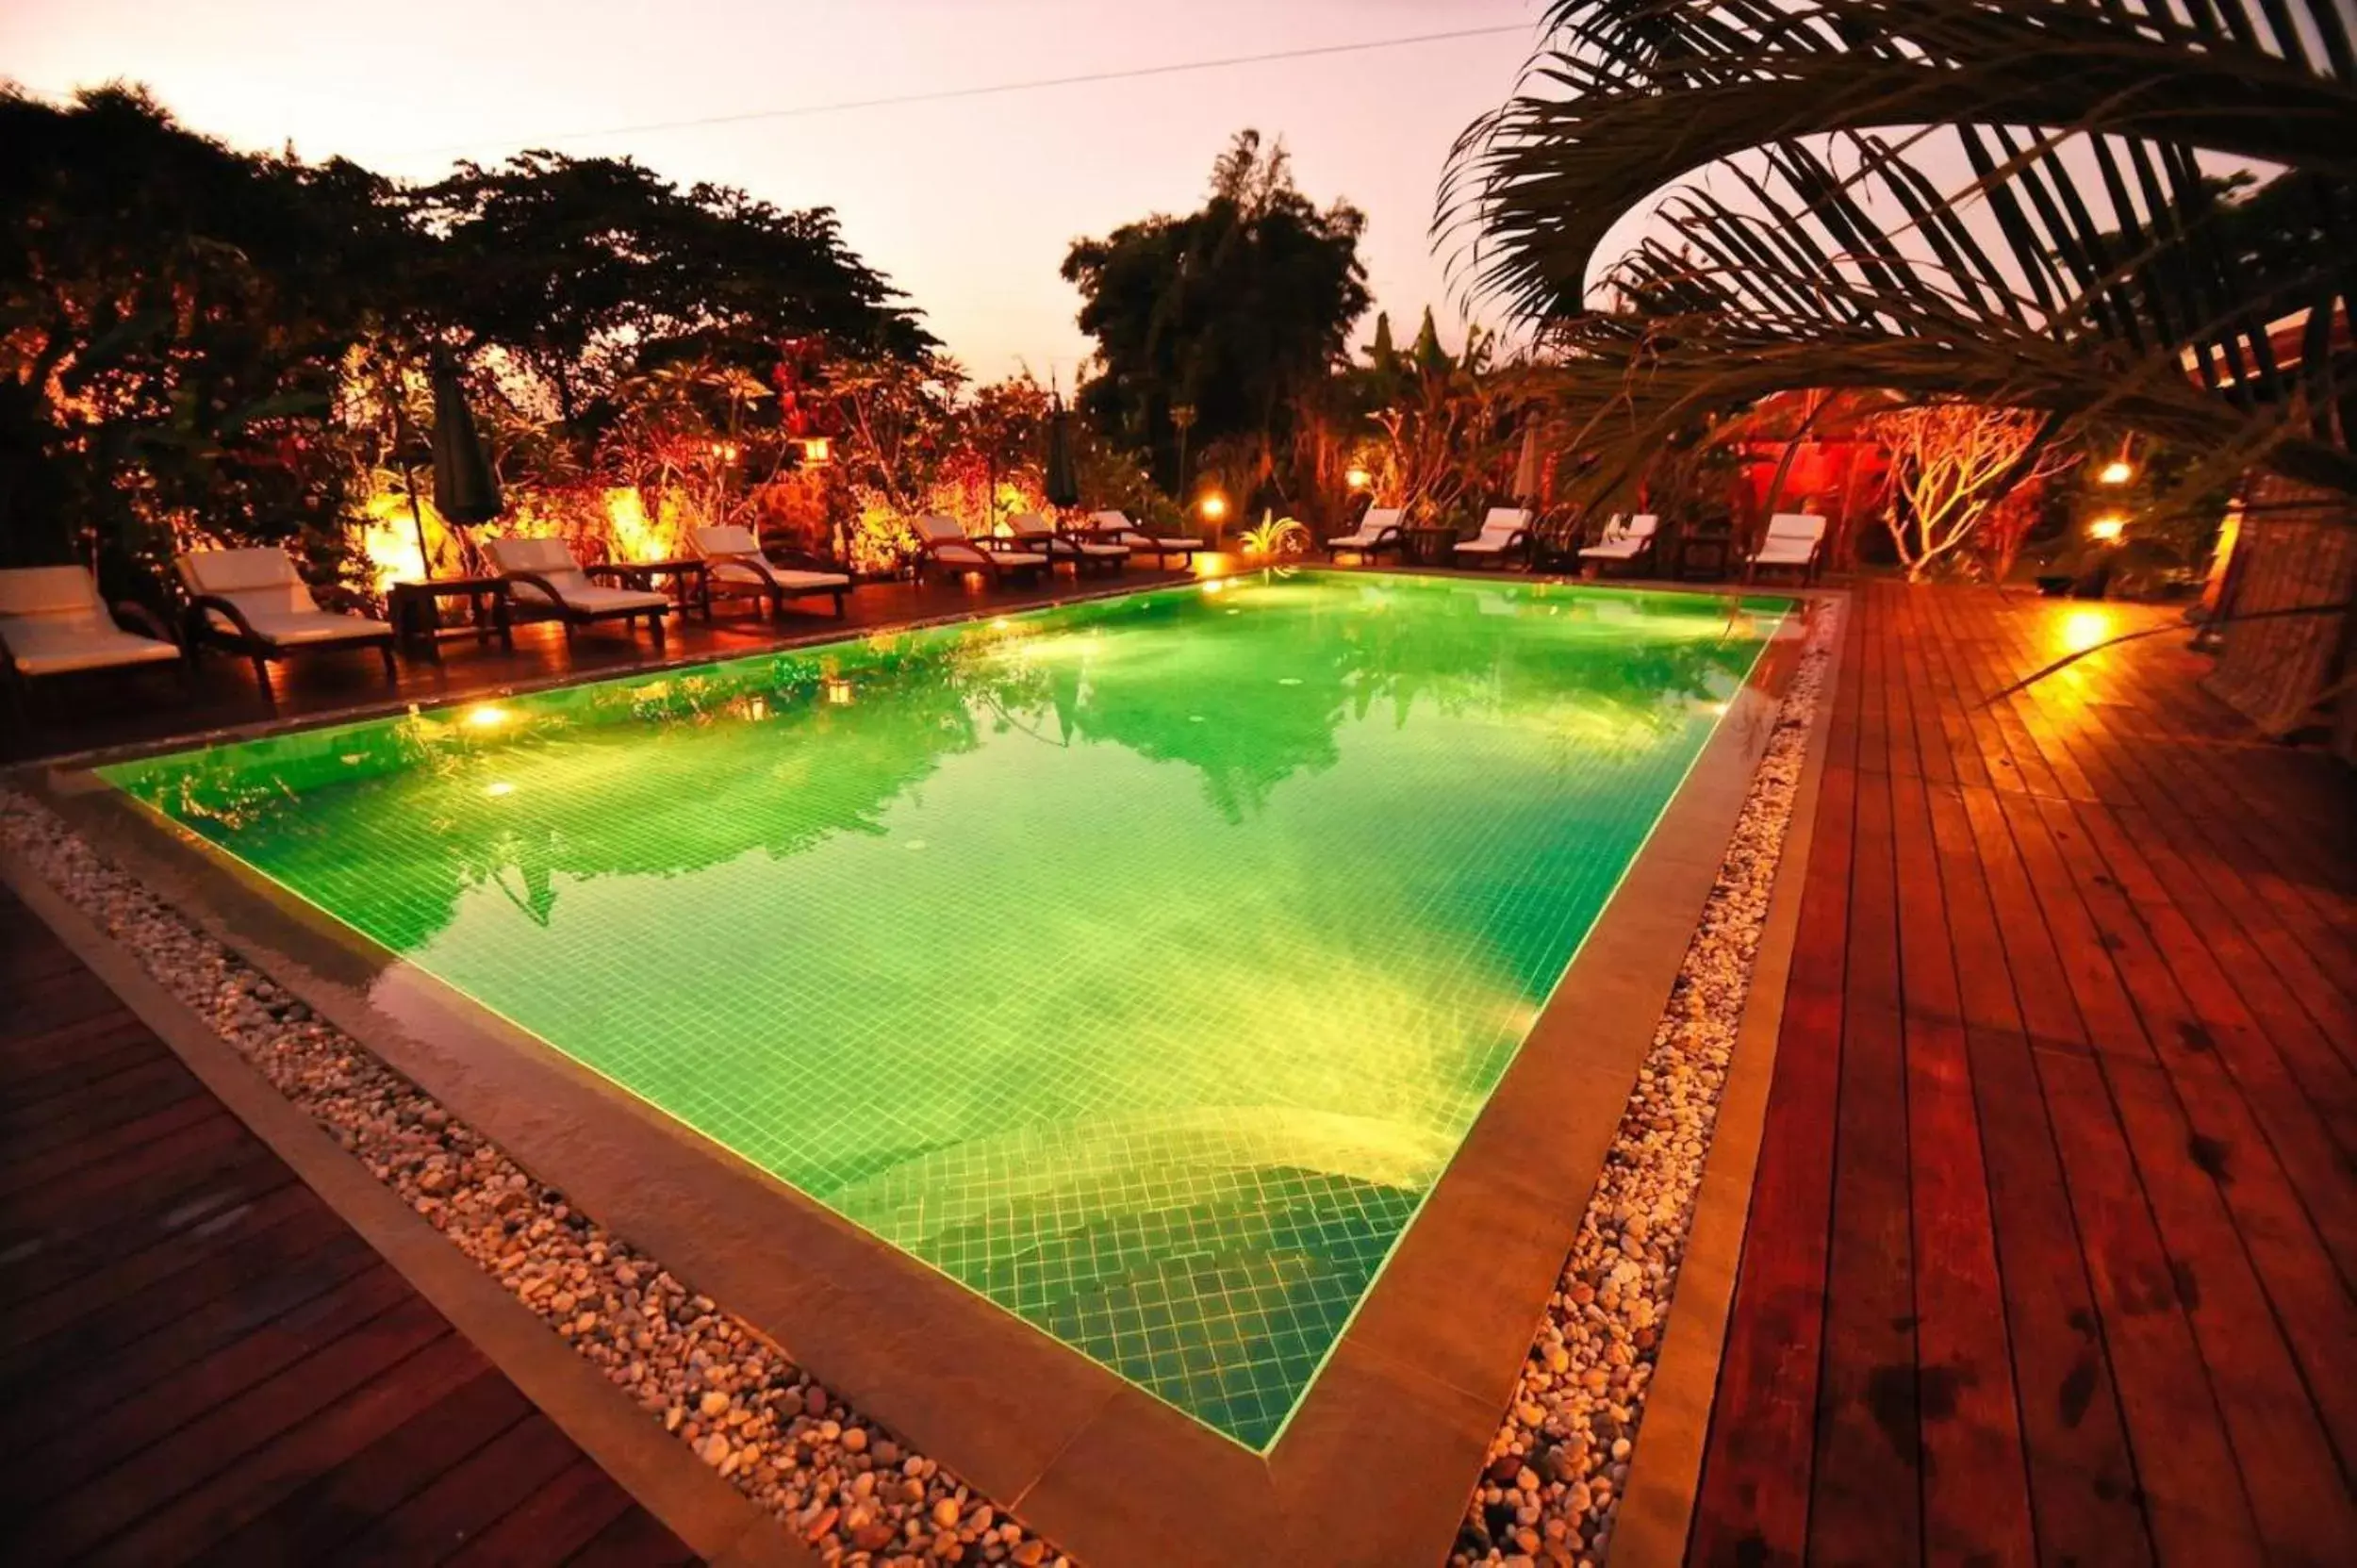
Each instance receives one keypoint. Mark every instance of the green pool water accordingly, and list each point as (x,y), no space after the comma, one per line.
(1138,964)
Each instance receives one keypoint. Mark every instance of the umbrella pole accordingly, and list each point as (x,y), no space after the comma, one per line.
(409,482)
(417,516)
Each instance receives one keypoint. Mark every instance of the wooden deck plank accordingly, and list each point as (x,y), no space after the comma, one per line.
(1865,1496)
(196,1353)
(141,1271)
(2107,1083)
(1977,1496)
(335,1437)
(551,1524)
(1753,1502)
(320,1518)
(118,1402)
(466,1499)
(632,1541)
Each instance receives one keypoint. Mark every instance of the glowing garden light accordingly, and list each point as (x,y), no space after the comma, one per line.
(2117,471)
(1356,478)
(1214,506)
(488,716)
(2107,528)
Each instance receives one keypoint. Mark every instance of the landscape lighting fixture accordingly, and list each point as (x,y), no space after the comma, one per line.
(2107,528)
(1215,506)
(2117,471)
(1358,479)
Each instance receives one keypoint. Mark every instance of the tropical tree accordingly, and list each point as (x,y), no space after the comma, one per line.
(589,270)
(1951,463)
(2007,201)
(174,320)
(1449,430)
(1239,312)
(199,344)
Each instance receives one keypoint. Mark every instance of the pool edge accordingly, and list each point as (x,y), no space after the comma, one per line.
(1377,1461)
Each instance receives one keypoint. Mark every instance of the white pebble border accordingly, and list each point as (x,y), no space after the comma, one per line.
(855,1491)
(852,1491)
(1558,1465)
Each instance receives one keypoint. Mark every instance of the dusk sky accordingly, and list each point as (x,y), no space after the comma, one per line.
(969,204)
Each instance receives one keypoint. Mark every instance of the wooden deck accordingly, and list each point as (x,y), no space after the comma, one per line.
(2051,1249)
(199,1360)
(78,713)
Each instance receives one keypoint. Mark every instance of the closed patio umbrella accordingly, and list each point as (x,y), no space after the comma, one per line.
(466,491)
(1528,472)
(1062,484)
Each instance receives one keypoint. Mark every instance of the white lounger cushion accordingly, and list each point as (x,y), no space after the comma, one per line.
(1031,525)
(1379,521)
(1497,532)
(1623,541)
(948,539)
(1792,539)
(549,559)
(782,577)
(53,621)
(266,589)
(735,556)
(1119,523)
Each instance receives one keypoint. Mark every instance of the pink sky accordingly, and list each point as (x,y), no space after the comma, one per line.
(968,205)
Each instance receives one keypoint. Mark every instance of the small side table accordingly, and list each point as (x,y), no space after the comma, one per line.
(415,610)
(1701,558)
(690,578)
(1429,546)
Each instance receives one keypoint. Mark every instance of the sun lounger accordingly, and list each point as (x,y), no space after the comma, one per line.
(53,622)
(1793,542)
(255,602)
(1378,530)
(947,544)
(1624,542)
(1506,528)
(1031,531)
(736,564)
(545,582)
(1117,528)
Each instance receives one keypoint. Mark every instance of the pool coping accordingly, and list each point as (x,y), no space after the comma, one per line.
(1377,1462)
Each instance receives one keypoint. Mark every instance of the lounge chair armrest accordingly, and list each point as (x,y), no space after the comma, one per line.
(621,570)
(198,625)
(533,579)
(133,616)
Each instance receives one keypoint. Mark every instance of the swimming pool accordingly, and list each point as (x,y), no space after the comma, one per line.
(1139,964)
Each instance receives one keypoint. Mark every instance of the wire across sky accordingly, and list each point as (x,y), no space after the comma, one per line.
(797,111)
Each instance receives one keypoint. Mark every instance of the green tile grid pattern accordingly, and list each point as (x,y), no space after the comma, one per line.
(1139,964)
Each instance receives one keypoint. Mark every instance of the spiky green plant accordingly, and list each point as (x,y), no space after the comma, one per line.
(2012,200)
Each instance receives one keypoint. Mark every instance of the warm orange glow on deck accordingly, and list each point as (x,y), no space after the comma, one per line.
(2089,627)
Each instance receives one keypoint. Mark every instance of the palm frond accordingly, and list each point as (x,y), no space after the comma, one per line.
(2073,265)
